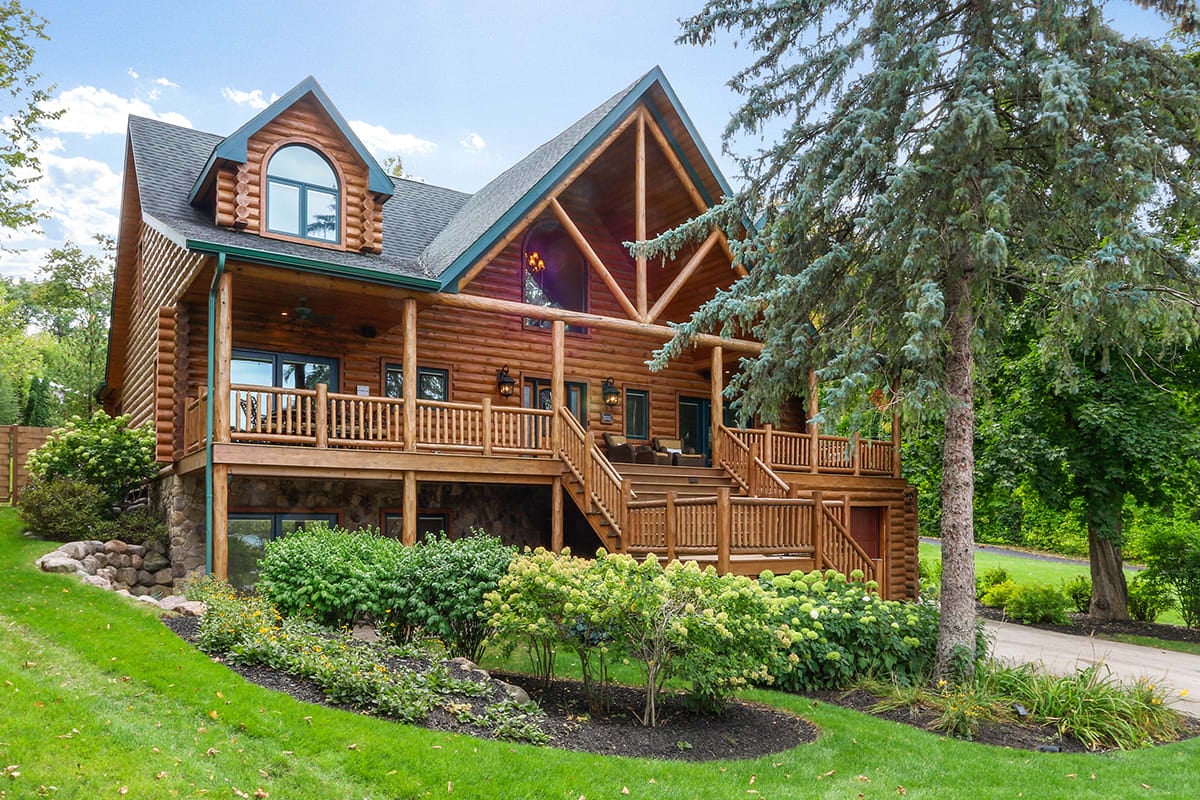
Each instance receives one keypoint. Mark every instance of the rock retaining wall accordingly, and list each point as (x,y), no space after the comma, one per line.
(141,571)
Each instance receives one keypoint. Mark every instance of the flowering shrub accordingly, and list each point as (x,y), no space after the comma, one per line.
(438,587)
(331,575)
(679,621)
(834,631)
(103,451)
(66,509)
(249,630)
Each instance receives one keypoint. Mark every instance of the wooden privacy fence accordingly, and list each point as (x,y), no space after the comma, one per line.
(16,443)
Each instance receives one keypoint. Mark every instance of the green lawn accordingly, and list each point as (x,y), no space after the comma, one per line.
(97,697)
(1029,570)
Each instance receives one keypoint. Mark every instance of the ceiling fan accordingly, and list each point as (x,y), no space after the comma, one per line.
(303,314)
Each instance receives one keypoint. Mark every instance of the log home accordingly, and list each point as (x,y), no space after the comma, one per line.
(314,339)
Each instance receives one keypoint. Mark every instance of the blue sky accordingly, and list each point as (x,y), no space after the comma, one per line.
(460,91)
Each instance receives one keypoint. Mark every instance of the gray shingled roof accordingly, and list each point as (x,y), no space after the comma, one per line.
(425,228)
(167,159)
(489,204)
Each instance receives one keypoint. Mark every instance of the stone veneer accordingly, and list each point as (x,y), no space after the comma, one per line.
(519,515)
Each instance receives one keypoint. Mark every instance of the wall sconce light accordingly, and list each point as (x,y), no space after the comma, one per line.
(612,395)
(504,382)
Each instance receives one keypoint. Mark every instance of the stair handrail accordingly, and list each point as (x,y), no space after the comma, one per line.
(838,527)
(759,480)
(599,477)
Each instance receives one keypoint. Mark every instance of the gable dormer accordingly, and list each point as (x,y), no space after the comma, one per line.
(297,172)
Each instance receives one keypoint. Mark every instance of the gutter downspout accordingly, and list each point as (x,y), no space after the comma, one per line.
(208,414)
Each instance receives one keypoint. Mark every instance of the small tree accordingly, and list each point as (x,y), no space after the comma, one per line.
(1173,557)
(37,403)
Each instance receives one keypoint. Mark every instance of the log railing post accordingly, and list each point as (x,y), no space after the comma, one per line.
(322,415)
(622,513)
(752,469)
(855,453)
(557,385)
(768,453)
(724,528)
(671,525)
(487,425)
(818,530)
(717,403)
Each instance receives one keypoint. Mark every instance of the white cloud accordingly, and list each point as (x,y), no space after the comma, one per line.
(90,111)
(254,98)
(81,196)
(473,142)
(133,74)
(23,262)
(167,82)
(379,140)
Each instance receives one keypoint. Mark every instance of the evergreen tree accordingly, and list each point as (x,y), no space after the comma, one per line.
(938,160)
(37,403)
(10,404)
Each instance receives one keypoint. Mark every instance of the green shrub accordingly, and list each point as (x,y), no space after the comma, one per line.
(929,571)
(1173,558)
(1149,597)
(438,587)
(1079,591)
(835,632)
(331,575)
(998,595)
(989,578)
(1031,603)
(103,451)
(140,526)
(65,509)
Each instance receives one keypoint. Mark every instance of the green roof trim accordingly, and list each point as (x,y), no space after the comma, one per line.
(460,265)
(234,147)
(313,265)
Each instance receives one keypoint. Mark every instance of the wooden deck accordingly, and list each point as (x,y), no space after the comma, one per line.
(741,515)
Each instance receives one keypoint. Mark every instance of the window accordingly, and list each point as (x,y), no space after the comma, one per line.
(432,384)
(286,370)
(637,414)
(302,195)
(428,523)
(555,273)
(249,534)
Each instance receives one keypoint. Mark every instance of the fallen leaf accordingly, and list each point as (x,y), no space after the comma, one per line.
(212,751)
(901,790)
(863,779)
(449,787)
(239,792)
(1072,774)
(753,778)
(1145,786)
(261,793)
(352,747)
(624,790)
(264,773)
(213,713)
(123,789)
(160,775)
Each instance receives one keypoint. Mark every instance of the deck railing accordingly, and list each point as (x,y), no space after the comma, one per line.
(745,464)
(836,548)
(320,418)
(841,455)
(603,487)
(195,422)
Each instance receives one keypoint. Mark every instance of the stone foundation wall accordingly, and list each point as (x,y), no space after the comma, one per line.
(180,501)
(137,569)
(519,515)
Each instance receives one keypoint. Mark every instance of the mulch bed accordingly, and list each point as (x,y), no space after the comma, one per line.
(744,730)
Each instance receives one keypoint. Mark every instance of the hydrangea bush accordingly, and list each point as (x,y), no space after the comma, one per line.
(103,451)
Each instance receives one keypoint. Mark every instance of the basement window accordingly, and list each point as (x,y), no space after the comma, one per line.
(303,199)
(249,534)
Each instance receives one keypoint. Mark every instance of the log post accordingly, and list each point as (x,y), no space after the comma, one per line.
(814,446)
(222,356)
(717,412)
(895,444)
(322,415)
(556,515)
(639,204)
(557,386)
(487,425)
(724,526)
(408,510)
(855,455)
(220,520)
(752,469)
(671,525)
(409,373)
(818,530)
(623,512)
(768,454)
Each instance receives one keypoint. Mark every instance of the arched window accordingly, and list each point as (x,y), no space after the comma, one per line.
(555,273)
(302,195)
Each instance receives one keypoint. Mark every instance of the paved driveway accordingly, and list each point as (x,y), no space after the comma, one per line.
(1064,653)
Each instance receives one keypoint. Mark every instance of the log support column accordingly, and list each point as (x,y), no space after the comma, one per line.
(409,510)
(558,388)
(222,355)
(409,366)
(220,521)
(556,515)
(717,414)
(639,203)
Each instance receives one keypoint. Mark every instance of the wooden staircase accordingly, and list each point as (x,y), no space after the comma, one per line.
(653,481)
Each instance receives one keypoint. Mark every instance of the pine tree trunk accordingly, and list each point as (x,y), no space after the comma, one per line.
(956,631)
(1110,595)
